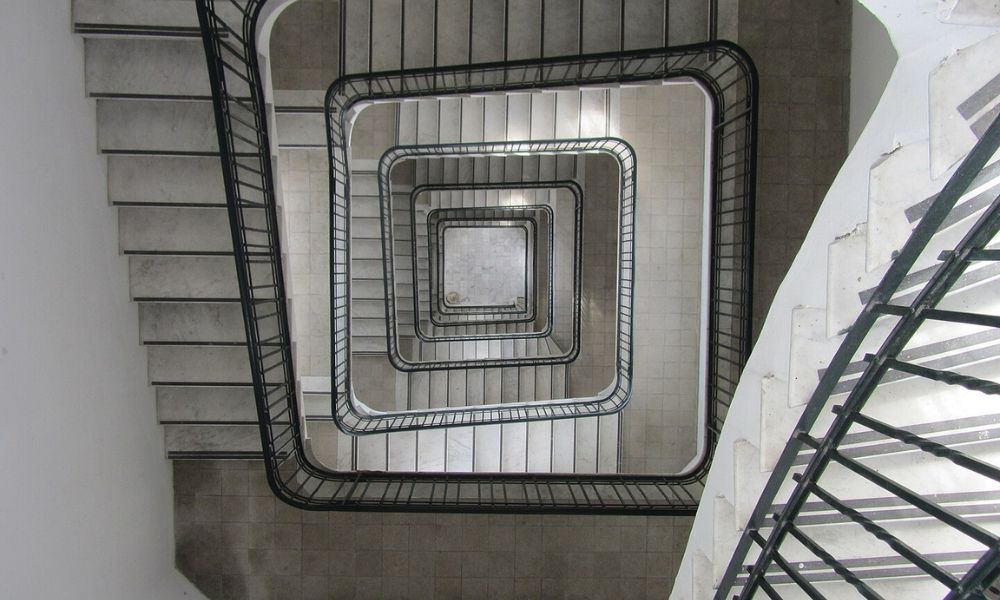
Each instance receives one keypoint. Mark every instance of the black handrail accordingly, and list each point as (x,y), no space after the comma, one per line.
(436,248)
(506,329)
(394,155)
(354,416)
(292,473)
(571,186)
(819,450)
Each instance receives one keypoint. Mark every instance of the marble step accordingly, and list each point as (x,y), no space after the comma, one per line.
(173,322)
(849,286)
(386,34)
(356,29)
(777,420)
(129,18)
(179,365)
(156,127)
(419,34)
(182,277)
(367,327)
(519,116)
(494,118)
(205,404)
(406,123)
(450,120)
(302,129)
(748,479)
(177,229)
(900,193)
(427,121)
(150,127)
(725,534)
(211,441)
(165,180)
(134,67)
(964,99)
(811,350)
(702,585)
(472,124)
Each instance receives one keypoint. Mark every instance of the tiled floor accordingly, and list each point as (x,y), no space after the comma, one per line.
(235,540)
(802,52)
(666,125)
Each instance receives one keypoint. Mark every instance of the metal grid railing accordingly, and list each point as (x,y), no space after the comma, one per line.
(245,152)
(395,155)
(444,321)
(353,416)
(827,460)
(542,224)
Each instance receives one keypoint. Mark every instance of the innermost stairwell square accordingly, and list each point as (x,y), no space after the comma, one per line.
(485,266)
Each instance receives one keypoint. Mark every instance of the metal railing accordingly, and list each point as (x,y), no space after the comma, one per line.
(440,302)
(436,248)
(621,151)
(543,222)
(728,78)
(433,260)
(570,186)
(293,474)
(818,448)
(353,416)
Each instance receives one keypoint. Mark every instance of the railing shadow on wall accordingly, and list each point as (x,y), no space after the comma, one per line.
(850,384)
(721,68)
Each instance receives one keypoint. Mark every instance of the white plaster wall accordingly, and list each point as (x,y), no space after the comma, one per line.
(87,501)
(901,117)
(872,61)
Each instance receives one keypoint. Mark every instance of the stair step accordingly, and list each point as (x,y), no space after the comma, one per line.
(191,321)
(182,277)
(147,126)
(450,121)
(205,405)
(368,344)
(226,365)
(427,121)
(386,30)
(178,229)
(356,37)
(644,23)
(748,480)
(777,420)
(522,29)
(211,441)
(165,180)
(99,17)
(148,67)
(811,351)
(896,181)
(964,100)
(367,327)
(472,126)
(518,118)
(724,536)
(301,130)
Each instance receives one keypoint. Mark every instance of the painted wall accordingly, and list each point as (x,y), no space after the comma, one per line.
(872,61)
(900,117)
(86,505)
